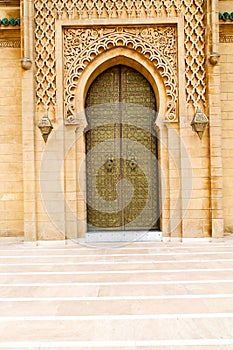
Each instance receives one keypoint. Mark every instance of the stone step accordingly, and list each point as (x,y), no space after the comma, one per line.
(138,296)
(190,344)
(95,258)
(120,246)
(113,306)
(82,290)
(124,329)
(118,249)
(116,276)
(115,266)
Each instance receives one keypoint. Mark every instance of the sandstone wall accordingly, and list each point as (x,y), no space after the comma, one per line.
(11,181)
(226,64)
(194,208)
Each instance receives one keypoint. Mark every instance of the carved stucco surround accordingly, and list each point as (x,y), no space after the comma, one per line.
(103,60)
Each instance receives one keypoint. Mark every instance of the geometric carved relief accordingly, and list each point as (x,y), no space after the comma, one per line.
(157,43)
(195,75)
(47,12)
(10,43)
(45,53)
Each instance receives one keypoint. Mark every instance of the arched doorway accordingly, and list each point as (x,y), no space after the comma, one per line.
(121,148)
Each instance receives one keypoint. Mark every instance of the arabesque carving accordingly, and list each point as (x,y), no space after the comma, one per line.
(157,43)
(47,12)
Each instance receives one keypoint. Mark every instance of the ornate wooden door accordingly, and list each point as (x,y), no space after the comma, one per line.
(122,180)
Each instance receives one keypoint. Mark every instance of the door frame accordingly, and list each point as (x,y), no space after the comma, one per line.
(101,63)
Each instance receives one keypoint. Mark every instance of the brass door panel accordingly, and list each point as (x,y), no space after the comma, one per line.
(122,188)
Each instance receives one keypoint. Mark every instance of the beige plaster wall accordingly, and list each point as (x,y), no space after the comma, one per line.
(11,179)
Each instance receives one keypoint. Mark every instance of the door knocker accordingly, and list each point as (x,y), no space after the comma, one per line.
(133,162)
(109,163)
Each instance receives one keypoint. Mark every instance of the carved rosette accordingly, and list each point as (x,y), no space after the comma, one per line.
(156,43)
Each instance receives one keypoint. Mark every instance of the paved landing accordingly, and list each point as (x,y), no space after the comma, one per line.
(119,297)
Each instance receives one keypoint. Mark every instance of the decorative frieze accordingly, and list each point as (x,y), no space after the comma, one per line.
(226,16)
(10,43)
(226,38)
(5,22)
(79,9)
